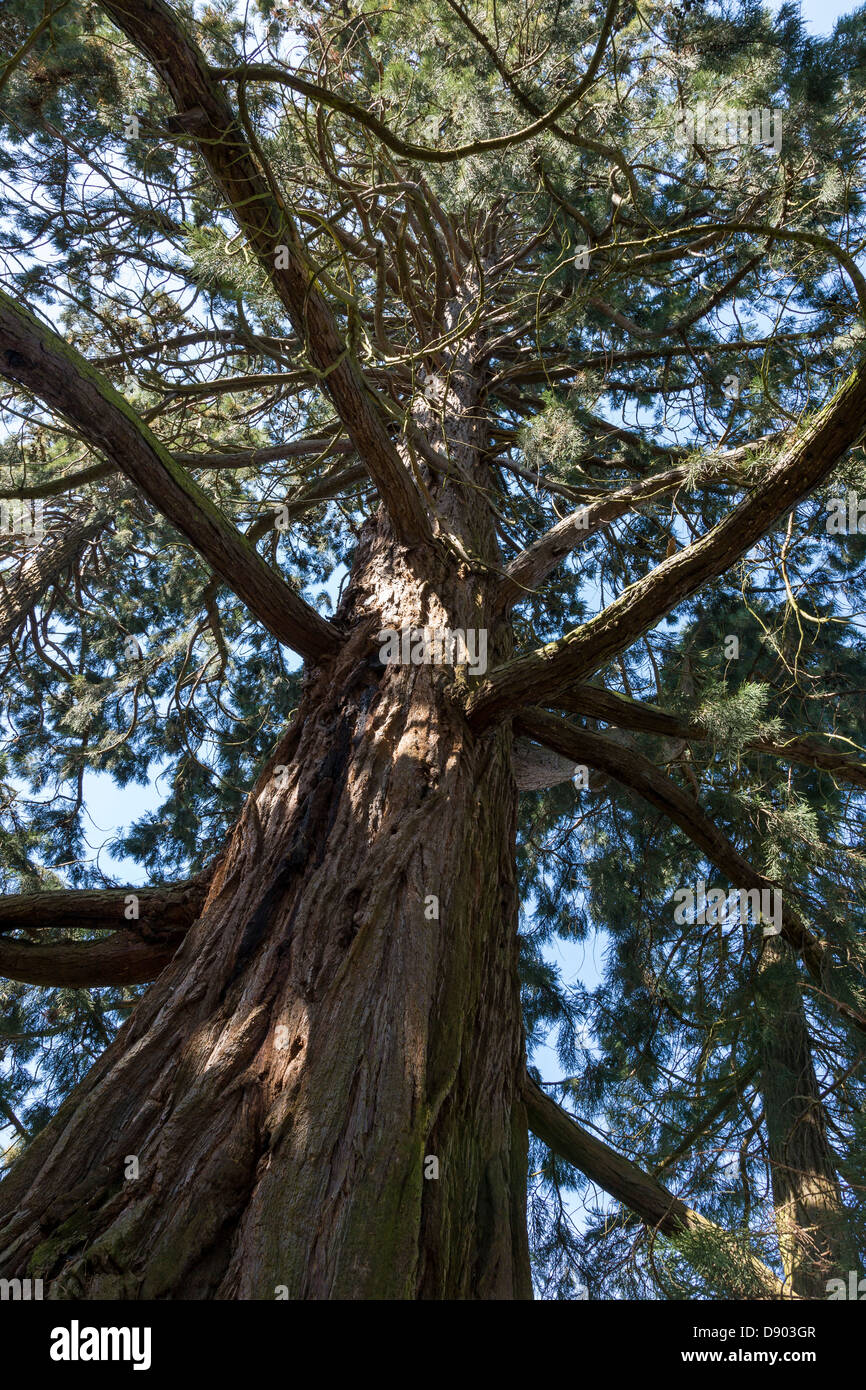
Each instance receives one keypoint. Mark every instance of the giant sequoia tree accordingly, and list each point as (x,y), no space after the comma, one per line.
(532,320)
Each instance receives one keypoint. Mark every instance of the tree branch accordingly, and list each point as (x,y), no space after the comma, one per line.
(168,908)
(33,355)
(203,111)
(546,672)
(630,768)
(642,1194)
(121,959)
(324,96)
(613,708)
(65,482)
(535,769)
(247,458)
(532,565)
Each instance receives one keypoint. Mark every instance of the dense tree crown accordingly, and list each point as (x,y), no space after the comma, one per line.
(561,303)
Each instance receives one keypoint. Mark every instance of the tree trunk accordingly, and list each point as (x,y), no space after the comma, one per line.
(342,1022)
(815,1242)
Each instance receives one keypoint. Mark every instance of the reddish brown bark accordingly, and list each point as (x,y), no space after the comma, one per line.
(324,1029)
(123,958)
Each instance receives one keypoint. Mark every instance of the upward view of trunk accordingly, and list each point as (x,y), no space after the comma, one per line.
(323,1090)
(815,1242)
(467,348)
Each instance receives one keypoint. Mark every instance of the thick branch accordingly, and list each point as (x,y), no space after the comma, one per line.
(642,1194)
(613,708)
(121,959)
(163,910)
(204,112)
(65,482)
(32,355)
(545,673)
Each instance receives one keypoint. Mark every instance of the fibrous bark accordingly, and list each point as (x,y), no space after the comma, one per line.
(323,1087)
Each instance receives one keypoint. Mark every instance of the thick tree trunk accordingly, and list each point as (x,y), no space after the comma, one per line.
(815,1242)
(343,1021)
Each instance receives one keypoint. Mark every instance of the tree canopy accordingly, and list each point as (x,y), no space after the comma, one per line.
(238,244)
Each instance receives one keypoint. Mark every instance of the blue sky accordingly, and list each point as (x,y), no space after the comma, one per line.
(821,15)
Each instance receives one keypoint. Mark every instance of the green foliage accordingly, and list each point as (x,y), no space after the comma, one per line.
(137,666)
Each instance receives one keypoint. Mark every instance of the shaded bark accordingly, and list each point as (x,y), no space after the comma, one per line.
(120,959)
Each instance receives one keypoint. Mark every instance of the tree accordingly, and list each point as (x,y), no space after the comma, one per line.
(534,327)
